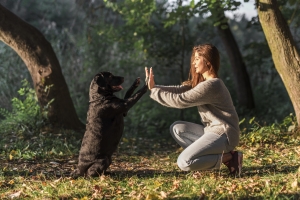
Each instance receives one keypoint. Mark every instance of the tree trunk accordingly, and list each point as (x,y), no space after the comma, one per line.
(284,51)
(241,77)
(43,65)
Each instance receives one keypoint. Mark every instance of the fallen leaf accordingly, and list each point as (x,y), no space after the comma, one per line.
(163,194)
(175,185)
(132,194)
(233,187)
(15,195)
(295,184)
(97,188)
(57,180)
(157,183)
(166,158)
(283,188)
(197,175)
(54,163)
(202,196)
(72,182)
(151,197)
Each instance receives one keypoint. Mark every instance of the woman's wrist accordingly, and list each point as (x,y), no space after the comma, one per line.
(151,87)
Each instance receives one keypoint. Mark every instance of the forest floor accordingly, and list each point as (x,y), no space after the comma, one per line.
(144,167)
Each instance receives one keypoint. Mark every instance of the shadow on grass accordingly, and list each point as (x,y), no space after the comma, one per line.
(145,174)
(268,170)
(48,170)
(55,173)
(286,196)
(63,169)
(247,172)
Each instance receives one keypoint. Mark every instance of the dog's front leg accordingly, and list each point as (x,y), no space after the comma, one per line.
(130,91)
(128,103)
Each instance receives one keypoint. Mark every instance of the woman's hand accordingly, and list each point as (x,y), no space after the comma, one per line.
(151,83)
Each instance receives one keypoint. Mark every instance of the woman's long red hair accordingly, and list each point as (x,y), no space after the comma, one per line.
(211,57)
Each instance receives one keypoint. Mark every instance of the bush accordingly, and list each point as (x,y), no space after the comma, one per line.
(283,132)
(26,116)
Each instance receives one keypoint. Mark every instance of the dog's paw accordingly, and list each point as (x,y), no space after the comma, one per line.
(137,82)
(75,174)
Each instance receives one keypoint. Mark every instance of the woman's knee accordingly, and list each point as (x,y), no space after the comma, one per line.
(174,127)
(183,164)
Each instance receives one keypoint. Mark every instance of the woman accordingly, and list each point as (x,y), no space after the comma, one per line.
(205,147)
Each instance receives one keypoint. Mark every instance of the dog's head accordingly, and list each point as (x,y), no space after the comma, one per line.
(106,81)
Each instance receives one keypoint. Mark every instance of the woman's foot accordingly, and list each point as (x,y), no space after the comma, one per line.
(235,164)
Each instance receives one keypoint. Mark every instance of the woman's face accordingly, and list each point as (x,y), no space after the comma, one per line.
(199,64)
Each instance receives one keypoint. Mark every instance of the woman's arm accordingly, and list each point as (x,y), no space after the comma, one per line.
(204,93)
(182,97)
(174,88)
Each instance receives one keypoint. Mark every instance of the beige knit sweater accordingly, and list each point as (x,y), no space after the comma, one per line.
(213,101)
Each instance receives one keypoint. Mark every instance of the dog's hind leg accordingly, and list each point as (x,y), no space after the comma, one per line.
(99,167)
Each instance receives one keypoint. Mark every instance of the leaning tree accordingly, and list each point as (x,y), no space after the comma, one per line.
(240,74)
(43,65)
(283,48)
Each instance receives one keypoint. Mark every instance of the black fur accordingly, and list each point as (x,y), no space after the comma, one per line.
(105,122)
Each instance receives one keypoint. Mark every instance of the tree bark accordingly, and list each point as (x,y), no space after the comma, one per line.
(241,77)
(284,51)
(43,65)
(240,74)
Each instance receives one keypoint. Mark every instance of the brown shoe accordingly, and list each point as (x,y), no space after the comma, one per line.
(235,164)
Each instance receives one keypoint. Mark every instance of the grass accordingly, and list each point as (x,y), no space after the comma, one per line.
(144,167)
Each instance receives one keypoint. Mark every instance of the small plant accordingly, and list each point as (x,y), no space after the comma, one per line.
(26,115)
(276,132)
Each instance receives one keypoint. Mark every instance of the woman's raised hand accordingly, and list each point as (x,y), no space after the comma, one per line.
(150,76)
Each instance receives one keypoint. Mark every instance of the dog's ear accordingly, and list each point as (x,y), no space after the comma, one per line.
(100,80)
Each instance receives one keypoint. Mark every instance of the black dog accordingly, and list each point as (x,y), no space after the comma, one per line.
(105,122)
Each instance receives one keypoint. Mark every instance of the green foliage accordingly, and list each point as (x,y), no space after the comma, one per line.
(125,36)
(134,17)
(61,22)
(12,68)
(276,133)
(26,116)
(43,145)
